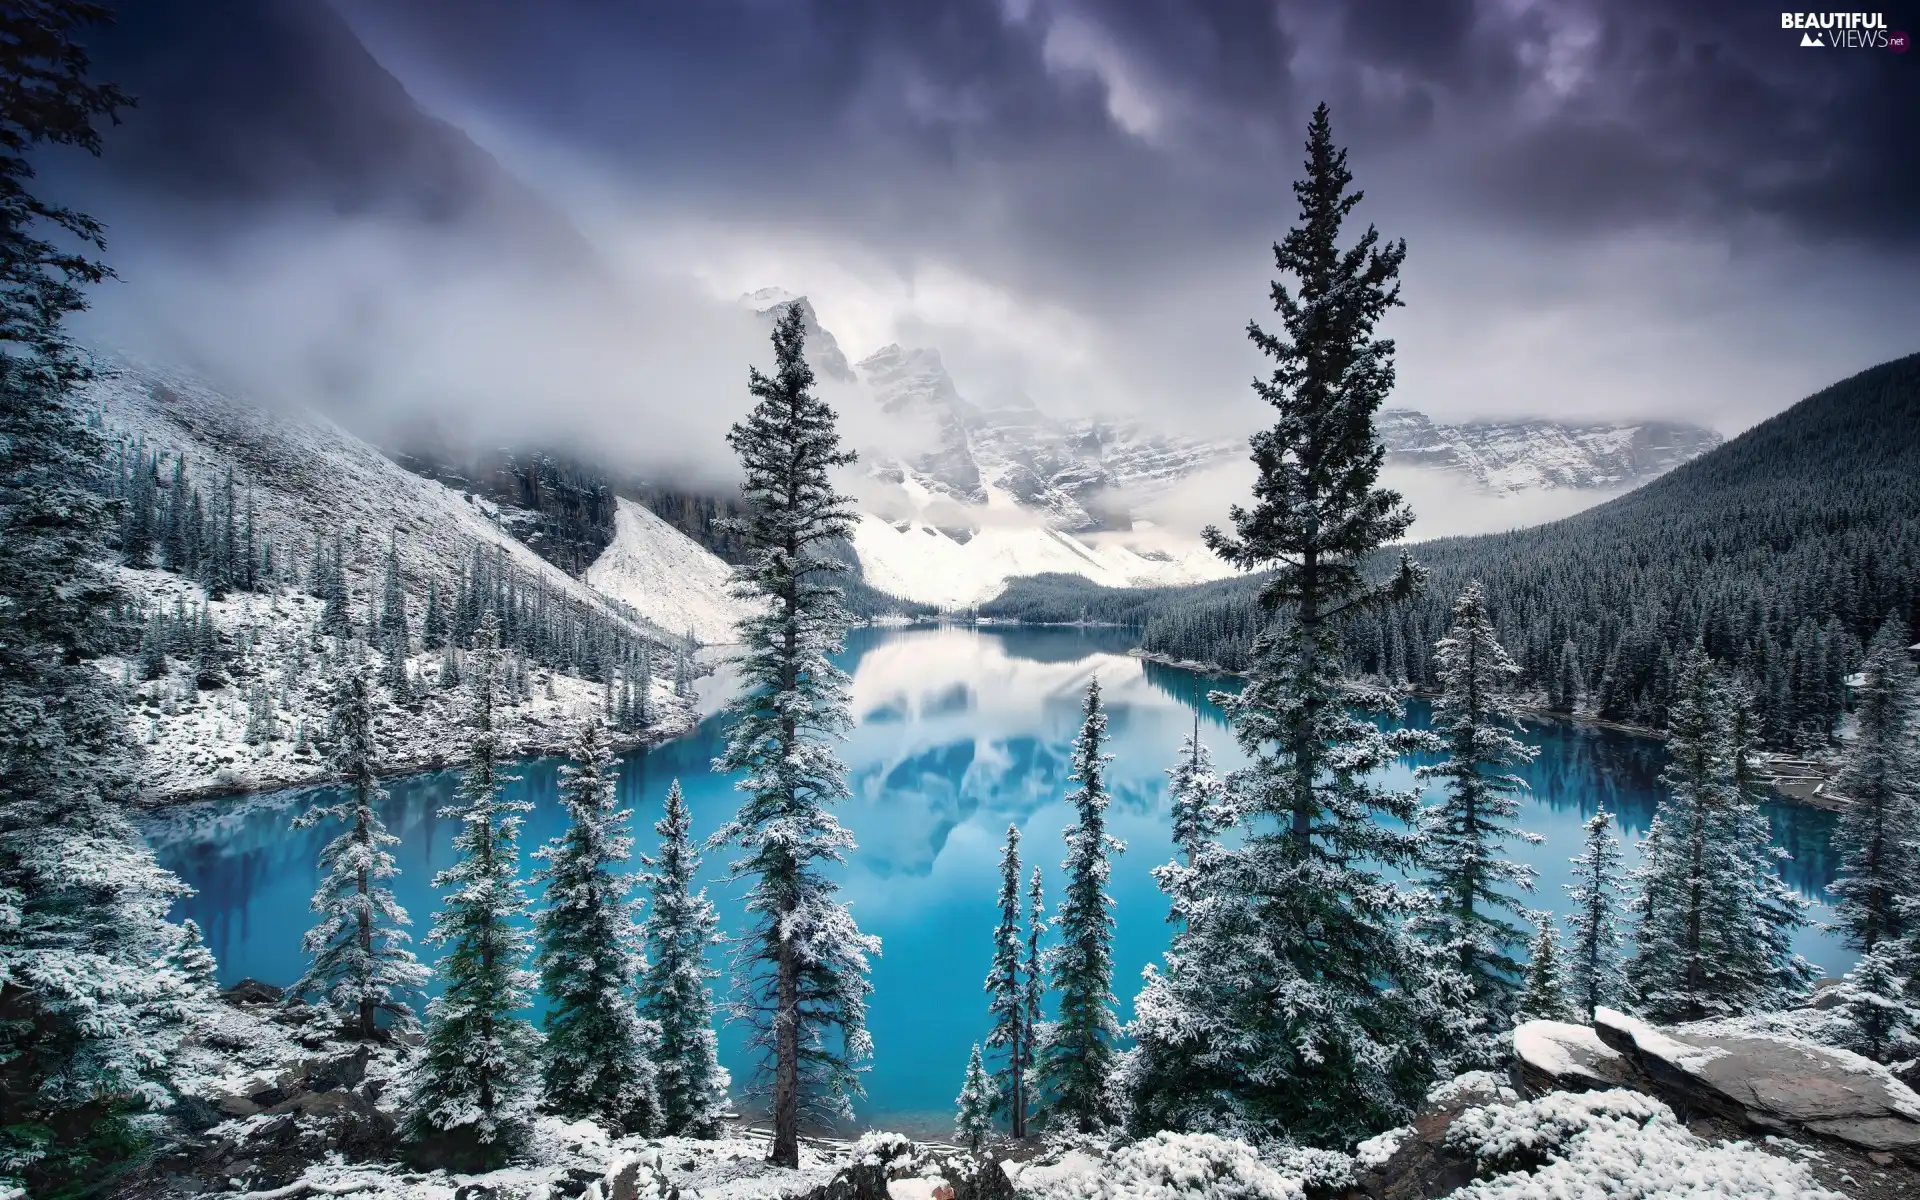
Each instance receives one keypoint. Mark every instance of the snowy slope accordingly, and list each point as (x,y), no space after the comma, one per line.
(309,476)
(666,577)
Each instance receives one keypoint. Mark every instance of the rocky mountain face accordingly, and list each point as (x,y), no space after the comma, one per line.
(1511,457)
(1077,474)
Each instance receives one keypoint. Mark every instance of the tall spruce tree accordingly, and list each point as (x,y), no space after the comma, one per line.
(1078,1051)
(1305,1011)
(1715,917)
(598,1057)
(361,965)
(1007,1005)
(1878,835)
(1467,828)
(800,970)
(1033,985)
(81,899)
(1594,976)
(474,1082)
(679,927)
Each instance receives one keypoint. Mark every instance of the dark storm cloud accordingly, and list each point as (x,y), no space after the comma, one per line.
(1612,207)
(1038,138)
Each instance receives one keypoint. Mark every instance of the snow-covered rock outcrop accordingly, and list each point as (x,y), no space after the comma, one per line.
(666,577)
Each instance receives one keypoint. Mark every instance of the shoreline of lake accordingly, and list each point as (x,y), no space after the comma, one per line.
(1805,790)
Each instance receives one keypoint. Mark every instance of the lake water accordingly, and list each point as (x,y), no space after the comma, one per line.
(959,733)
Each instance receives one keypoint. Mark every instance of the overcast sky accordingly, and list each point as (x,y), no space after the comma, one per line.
(1612,206)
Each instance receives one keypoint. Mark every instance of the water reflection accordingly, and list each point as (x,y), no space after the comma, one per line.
(960,733)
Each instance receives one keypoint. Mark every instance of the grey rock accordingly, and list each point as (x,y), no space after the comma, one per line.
(1770,1085)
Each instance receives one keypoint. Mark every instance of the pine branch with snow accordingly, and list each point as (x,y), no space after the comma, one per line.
(361,964)
(84,1027)
(800,966)
(597,1060)
(675,996)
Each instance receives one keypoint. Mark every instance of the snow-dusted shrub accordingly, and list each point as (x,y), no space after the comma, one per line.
(1617,1144)
(1166,1166)
(1381,1146)
(1479,1086)
(879,1147)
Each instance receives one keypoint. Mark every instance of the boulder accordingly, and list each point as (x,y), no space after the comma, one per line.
(1555,1056)
(252,991)
(340,1121)
(1771,1085)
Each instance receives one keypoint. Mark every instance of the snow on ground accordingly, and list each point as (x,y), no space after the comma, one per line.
(195,739)
(1165,1166)
(666,576)
(1616,1145)
(917,561)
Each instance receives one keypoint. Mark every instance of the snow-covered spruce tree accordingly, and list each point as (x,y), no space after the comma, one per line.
(361,964)
(1193,791)
(1544,998)
(1153,1075)
(1466,830)
(191,958)
(474,1082)
(1007,1005)
(82,1042)
(598,1057)
(1593,970)
(1033,984)
(1566,684)
(800,967)
(1885,1019)
(679,927)
(1878,835)
(1772,908)
(1303,1010)
(1077,1058)
(973,1120)
(1714,919)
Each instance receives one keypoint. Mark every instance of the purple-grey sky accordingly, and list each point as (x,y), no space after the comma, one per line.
(1612,207)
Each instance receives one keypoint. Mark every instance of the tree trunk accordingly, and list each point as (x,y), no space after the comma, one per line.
(786,1069)
(1306,756)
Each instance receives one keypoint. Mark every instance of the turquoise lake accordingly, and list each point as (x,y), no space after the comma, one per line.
(960,732)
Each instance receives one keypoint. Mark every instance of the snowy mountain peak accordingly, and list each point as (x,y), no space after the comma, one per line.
(903,378)
(823,352)
(1507,457)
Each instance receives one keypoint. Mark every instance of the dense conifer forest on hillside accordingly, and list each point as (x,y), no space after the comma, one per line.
(1781,552)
